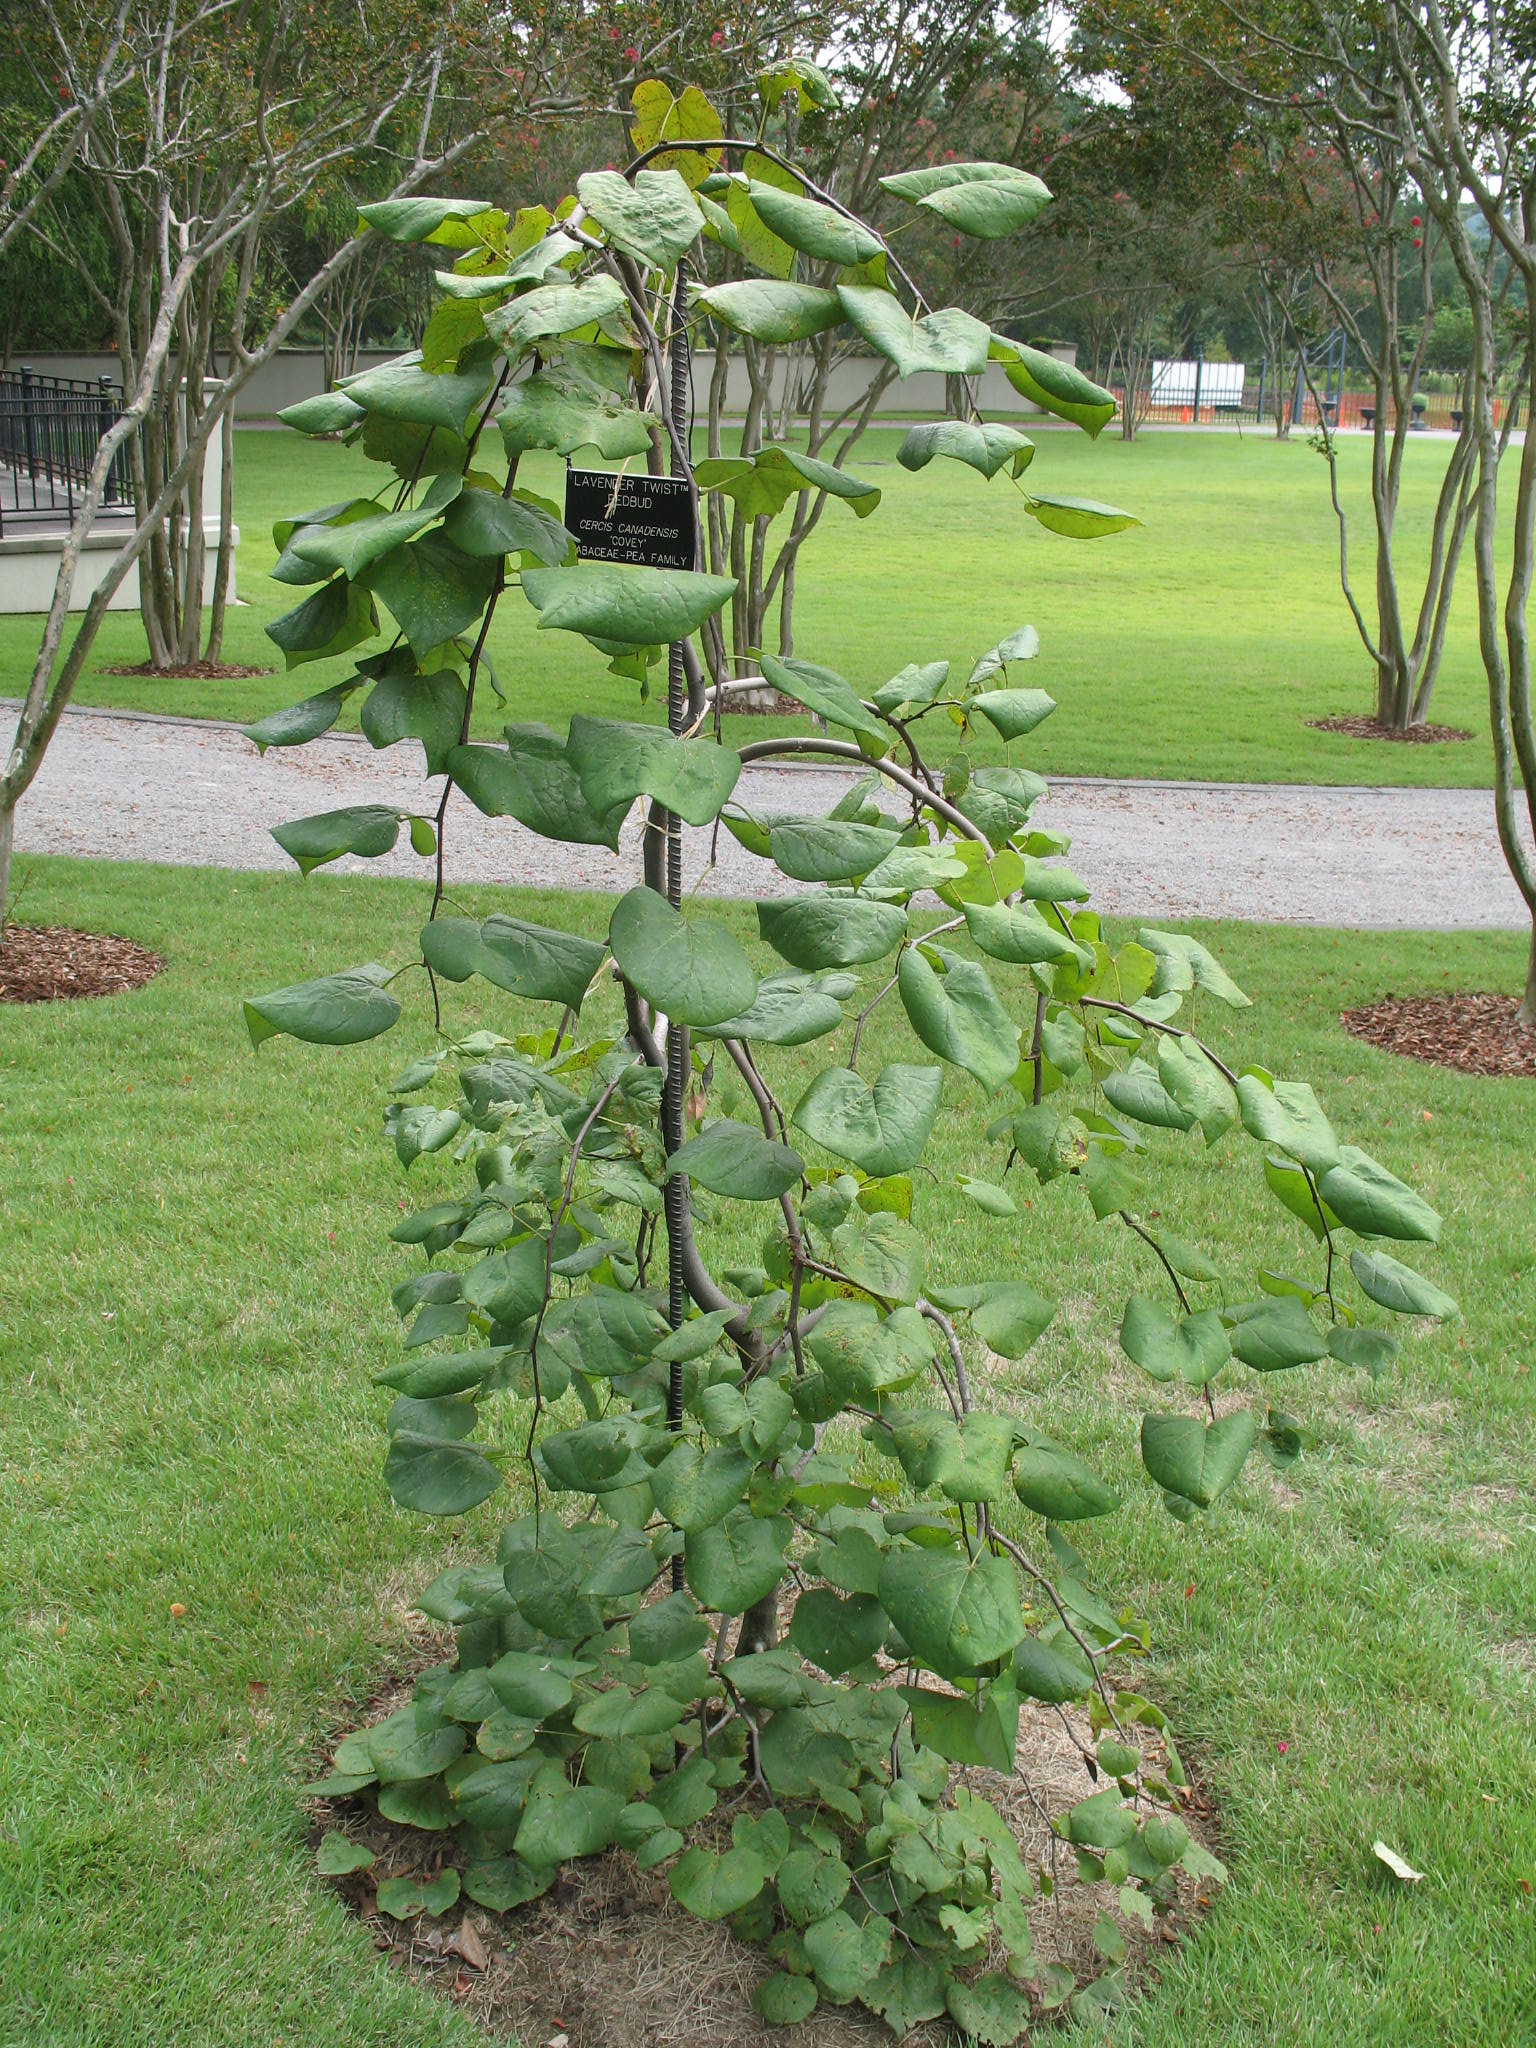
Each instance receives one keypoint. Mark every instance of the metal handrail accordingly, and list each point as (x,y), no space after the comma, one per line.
(50,431)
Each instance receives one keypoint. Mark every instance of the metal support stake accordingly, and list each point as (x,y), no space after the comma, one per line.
(678,1060)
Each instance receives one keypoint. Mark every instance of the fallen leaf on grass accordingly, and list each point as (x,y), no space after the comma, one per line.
(1396,1865)
(465,1943)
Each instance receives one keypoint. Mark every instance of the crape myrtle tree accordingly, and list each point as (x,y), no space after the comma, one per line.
(1317,75)
(202,123)
(1466,76)
(62,78)
(1281,215)
(783,1566)
(1139,206)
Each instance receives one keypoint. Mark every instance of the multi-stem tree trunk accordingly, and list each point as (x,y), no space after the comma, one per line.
(1504,629)
(1406,662)
(1405,653)
(1271,302)
(786,394)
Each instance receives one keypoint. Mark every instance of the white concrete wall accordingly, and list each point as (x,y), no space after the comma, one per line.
(29,567)
(295,373)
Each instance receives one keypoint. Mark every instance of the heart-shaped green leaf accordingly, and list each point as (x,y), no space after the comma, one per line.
(823,690)
(1198,1461)
(1272,1335)
(763,484)
(955,1612)
(815,230)
(1182,963)
(485,523)
(957,1015)
(883,1129)
(562,410)
(625,607)
(831,930)
(689,968)
(531,960)
(433,589)
(1060,1486)
(987,200)
(338,1009)
(536,782)
(1393,1285)
(695,1489)
(1192,1349)
(1014,712)
(736,1562)
(402,1898)
(948,341)
(554,309)
(618,761)
(983,445)
(835,1635)
(1054,386)
(1367,1198)
(828,849)
(656,219)
(1077,518)
(783,2000)
(790,1009)
(1017,933)
(403,390)
(733,1160)
(1197,1085)
(712,1886)
(772,312)
(1288,1115)
(846,1956)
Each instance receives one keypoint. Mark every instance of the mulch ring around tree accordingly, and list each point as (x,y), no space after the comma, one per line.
(1475,1033)
(185,671)
(608,1959)
(52,963)
(1373,729)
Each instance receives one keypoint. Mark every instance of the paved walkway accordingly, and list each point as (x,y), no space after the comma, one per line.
(137,787)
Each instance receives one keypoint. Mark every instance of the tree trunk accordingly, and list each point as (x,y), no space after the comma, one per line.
(1526,1014)
(1282,414)
(7,848)
(225,563)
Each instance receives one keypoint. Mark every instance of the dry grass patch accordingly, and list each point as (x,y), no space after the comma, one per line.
(608,1959)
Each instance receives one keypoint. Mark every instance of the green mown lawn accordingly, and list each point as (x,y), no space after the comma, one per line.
(1197,646)
(203,1575)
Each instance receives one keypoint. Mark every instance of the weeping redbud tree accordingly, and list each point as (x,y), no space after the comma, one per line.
(785,1578)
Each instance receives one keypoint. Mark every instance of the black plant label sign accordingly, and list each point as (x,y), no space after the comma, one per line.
(645,520)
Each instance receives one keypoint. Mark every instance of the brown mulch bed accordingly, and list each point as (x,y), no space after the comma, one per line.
(1373,729)
(51,963)
(1476,1033)
(608,1959)
(185,671)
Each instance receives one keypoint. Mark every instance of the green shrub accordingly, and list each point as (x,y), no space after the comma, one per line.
(801,1441)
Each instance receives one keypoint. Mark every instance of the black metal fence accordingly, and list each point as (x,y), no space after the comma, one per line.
(50,430)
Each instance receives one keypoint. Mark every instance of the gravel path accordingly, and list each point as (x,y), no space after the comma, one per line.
(139,787)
